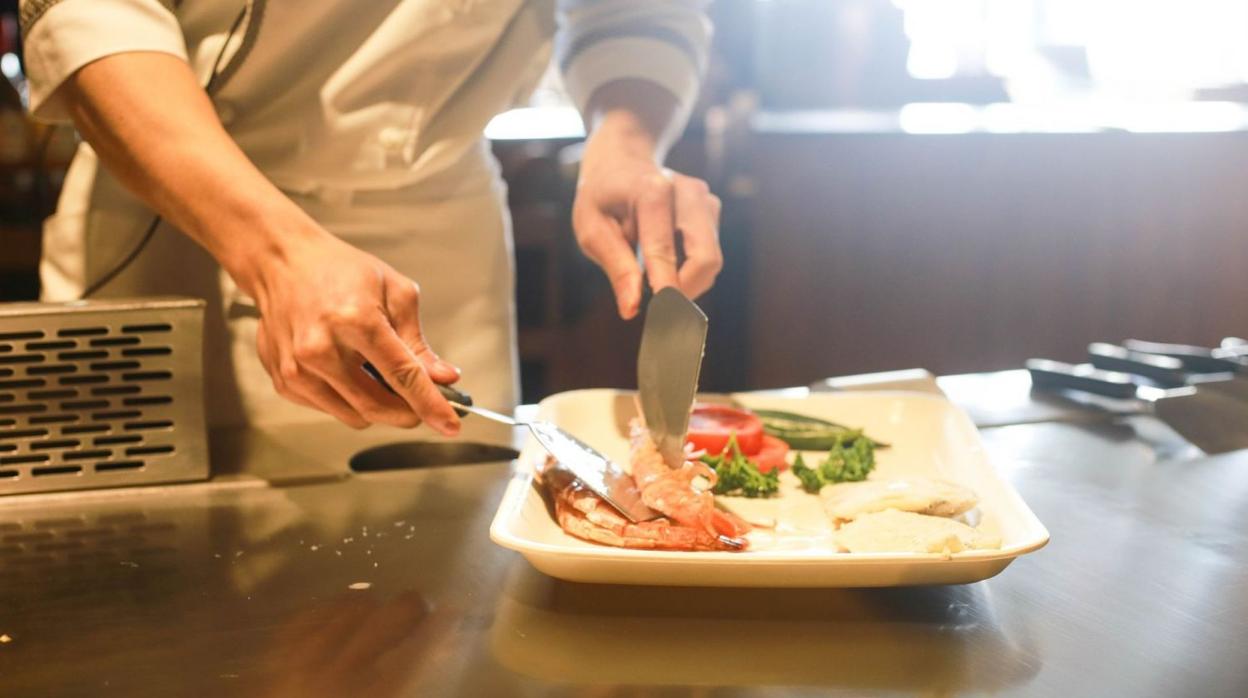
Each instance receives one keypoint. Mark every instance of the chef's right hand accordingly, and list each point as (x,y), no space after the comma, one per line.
(325,309)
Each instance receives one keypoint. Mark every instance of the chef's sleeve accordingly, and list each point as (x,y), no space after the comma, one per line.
(661,41)
(61,36)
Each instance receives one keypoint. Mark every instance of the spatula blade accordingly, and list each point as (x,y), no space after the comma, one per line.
(596,471)
(668,364)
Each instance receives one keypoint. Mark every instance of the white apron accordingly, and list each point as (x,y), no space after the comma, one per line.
(369,116)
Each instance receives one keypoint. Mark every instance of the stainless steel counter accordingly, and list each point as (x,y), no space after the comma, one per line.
(310,581)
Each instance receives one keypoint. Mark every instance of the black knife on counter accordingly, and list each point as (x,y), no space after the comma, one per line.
(1211,420)
(1175,365)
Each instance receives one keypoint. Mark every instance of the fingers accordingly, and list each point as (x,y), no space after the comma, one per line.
(322,397)
(661,205)
(302,387)
(403,306)
(603,240)
(321,365)
(656,231)
(697,218)
(326,310)
(332,360)
(378,343)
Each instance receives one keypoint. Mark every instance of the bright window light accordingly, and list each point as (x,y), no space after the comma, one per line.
(1146,50)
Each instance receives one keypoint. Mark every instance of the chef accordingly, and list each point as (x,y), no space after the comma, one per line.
(317,171)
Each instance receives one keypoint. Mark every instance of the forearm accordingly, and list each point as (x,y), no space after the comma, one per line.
(153,127)
(637,115)
(325,307)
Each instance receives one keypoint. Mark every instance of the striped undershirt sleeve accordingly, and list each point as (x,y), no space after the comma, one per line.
(61,36)
(663,41)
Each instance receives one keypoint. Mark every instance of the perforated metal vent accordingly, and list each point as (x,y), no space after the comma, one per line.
(101,394)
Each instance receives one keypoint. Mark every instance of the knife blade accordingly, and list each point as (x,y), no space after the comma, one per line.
(668,364)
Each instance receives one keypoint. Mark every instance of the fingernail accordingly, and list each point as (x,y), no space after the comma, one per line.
(628,308)
(444,365)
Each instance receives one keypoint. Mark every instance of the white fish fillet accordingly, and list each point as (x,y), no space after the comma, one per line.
(895,531)
(849,500)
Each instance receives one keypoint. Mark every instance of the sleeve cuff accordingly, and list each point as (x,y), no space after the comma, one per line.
(73,33)
(632,57)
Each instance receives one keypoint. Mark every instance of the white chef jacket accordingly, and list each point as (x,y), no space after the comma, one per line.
(370,116)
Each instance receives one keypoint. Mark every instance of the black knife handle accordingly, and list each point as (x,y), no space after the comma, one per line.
(454,395)
(1166,371)
(1195,359)
(1055,375)
(451,394)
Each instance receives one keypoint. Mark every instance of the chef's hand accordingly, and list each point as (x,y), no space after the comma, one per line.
(624,198)
(326,308)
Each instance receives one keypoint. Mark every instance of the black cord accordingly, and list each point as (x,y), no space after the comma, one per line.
(150,232)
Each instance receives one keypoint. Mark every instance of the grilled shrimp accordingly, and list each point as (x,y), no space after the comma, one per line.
(675,492)
(585,515)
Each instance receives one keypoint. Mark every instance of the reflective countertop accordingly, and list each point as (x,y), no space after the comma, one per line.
(289,575)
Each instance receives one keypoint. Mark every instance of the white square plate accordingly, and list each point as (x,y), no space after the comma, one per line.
(929,437)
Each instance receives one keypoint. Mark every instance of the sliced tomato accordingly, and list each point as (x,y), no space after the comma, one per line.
(772,455)
(710,427)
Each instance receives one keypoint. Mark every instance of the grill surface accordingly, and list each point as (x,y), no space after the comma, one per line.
(102,546)
(100,394)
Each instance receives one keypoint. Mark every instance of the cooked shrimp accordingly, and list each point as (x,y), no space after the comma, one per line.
(585,515)
(677,492)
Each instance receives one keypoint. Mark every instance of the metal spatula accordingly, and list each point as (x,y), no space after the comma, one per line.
(668,363)
(596,471)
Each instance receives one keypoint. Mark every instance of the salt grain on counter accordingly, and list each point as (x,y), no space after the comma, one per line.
(359,585)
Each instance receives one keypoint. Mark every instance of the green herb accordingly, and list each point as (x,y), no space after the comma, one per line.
(811,480)
(803,432)
(850,459)
(736,475)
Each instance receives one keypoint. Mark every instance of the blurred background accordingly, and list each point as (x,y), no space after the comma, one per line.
(949,184)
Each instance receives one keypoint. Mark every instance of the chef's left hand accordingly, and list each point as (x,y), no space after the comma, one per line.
(624,198)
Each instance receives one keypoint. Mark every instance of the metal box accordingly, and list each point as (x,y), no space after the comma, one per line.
(101,394)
